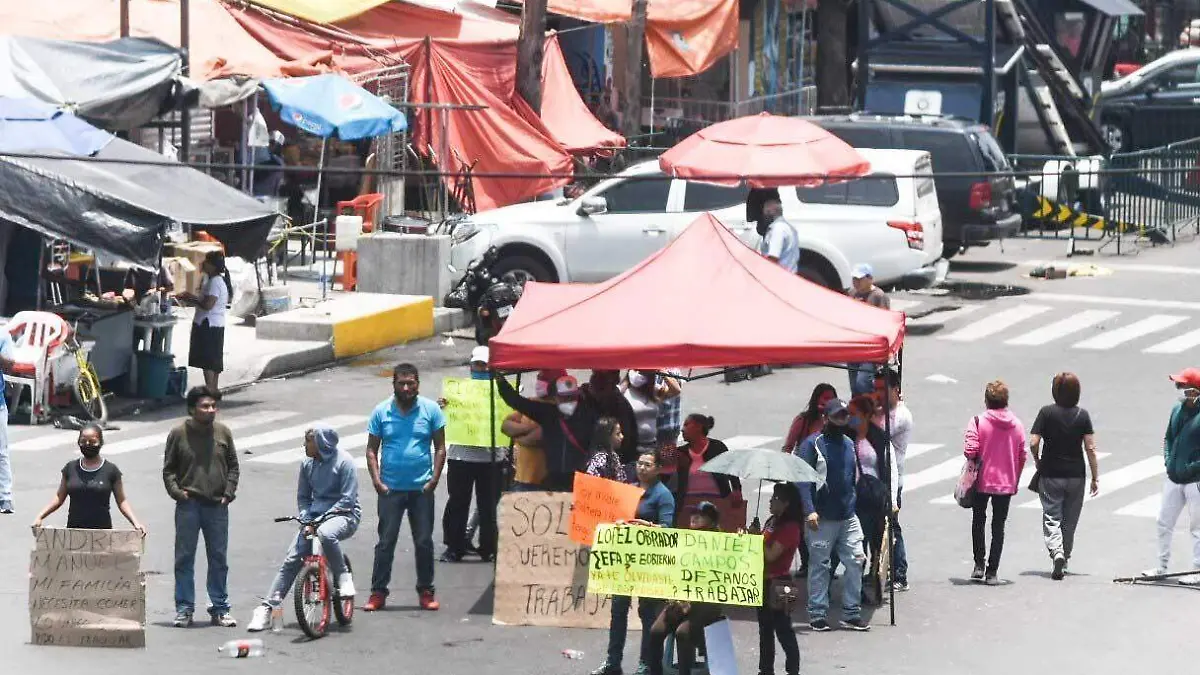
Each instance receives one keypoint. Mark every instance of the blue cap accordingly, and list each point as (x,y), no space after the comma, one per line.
(835,407)
(862,270)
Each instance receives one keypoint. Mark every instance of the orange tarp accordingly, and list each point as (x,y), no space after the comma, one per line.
(219,48)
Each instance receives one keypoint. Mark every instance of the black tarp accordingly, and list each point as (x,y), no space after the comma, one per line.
(118,85)
(125,210)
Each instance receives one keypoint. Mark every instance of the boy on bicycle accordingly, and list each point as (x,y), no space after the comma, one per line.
(328,485)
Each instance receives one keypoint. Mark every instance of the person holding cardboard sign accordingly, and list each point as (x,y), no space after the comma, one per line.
(90,483)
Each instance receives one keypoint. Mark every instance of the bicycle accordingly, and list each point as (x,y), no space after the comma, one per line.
(315,590)
(86,385)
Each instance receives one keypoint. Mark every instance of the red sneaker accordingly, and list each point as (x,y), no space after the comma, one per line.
(375,602)
(428,602)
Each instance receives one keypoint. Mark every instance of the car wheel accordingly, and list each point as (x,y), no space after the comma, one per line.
(816,276)
(1114,134)
(951,249)
(525,268)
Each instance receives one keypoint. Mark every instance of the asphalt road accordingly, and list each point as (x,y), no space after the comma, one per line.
(944,624)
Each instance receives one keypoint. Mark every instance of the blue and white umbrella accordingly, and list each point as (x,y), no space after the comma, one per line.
(330,105)
(29,126)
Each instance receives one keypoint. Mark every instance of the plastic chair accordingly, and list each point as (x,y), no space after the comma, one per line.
(366,206)
(36,337)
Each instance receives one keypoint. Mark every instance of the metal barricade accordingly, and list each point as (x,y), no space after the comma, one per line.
(1059,197)
(1154,195)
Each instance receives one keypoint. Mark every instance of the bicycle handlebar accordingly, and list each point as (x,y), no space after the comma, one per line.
(315,521)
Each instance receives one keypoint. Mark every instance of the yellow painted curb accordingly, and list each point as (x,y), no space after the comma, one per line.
(360,335)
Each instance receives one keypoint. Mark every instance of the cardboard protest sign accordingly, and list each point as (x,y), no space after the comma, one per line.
(599,501)
(541,575)
(467,411)
(86,588)
(691,565)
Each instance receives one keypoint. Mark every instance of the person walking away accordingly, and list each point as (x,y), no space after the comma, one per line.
(604,393)
(888,384)
(327,490)
(686,620)
(470,469)
(670,420)
(656,507)
(406,450)
(781,538)
(1067,431)
(91,483)
(875,480)
(862,375)
(206,349)
(200,472)
(529,460)
(996,441)
(567,424)
(603,461)
(832,523)
(691,482)
(1181,488)
(7,351)
(780,243)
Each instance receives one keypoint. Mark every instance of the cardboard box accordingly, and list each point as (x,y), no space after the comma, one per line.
(184,273)
(193,251)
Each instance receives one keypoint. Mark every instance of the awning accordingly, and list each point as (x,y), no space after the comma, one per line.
(1114,7)
(742,311)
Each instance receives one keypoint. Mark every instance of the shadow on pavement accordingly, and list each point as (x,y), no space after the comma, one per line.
(980,266)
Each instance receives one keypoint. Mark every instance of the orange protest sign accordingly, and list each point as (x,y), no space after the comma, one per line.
(599,501)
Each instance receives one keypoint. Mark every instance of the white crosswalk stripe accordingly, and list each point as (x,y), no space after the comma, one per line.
(1071,324)
(995,323)
(747,442)
(353,444)
(1036,503)
(1143,508)
(52,437)
(915,480)
(1120,336)
(234,422)
(1176,345)
(295,434)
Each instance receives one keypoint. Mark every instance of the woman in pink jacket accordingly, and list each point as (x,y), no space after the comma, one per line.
(996,440)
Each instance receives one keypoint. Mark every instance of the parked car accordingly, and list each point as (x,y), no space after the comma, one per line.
(1170,84)
(889,219)
(975,209)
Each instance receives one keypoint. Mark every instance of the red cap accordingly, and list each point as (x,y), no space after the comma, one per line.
(1188,377)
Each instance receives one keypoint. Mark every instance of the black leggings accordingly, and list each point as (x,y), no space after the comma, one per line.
(776,623)
(979,520)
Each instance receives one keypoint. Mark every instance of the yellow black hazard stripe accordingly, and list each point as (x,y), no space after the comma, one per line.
(1048,210)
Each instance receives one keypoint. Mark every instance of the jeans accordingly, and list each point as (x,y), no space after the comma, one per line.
(772,624)
(862,378)
(331,532)
(1062,502)
(900,553)
(463,478)
(648,610)
(1175,497)
(6,477)
(979,520)
(847,538)
(192,517)
(420,520)
(526,487)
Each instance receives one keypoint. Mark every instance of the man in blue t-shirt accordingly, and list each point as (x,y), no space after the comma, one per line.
(6,365)
(405,472)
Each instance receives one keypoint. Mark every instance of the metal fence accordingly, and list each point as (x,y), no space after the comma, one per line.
(1126,201)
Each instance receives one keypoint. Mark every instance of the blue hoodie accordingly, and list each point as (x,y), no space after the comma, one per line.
(329,482)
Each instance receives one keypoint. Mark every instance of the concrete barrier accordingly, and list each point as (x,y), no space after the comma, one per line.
(405,264)
(354,323)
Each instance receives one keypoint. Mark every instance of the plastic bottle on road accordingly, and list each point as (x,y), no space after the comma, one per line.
(573,654)
(241,649)
(277,619)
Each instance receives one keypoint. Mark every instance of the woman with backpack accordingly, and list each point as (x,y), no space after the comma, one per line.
(876,476)
(995,441)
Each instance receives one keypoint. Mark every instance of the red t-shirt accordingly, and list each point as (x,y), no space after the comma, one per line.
(788,535)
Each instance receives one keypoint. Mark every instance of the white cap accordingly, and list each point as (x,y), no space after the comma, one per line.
(480,354)
(862,271)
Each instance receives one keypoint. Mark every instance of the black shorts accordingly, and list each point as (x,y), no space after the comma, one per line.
(207,347)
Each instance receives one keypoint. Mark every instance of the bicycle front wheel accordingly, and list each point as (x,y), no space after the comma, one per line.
(343,608)
(312,601)
(89,394)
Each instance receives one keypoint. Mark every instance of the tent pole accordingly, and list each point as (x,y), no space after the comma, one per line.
(41,286)
(891,510)
(124,18)
(317,214)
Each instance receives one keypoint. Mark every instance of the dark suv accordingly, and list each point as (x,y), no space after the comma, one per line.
(975,209)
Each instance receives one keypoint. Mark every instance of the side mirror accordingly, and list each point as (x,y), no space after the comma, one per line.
(592,206)
(1151,89)
(452,268)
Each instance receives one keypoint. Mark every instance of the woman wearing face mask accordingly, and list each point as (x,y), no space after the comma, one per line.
(644,397)
(873,458)
(90,482)
(603,460)
(812,419)
(529,460)
(692,484)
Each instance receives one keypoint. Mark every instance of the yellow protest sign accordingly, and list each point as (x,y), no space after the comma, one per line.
(467,412)
(690,565)
(86,588)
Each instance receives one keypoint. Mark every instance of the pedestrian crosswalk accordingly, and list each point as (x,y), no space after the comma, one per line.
(1130,327)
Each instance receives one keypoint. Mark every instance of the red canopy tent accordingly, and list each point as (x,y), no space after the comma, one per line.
(705,301)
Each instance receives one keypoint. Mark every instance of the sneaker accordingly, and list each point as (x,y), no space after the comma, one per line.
(260,619)
(1190,580)
(900,586)
(6,508)
(606,669)
(450,556)
(1060,566)
(855,624)
(977,573)
(819,625)
(1154,572)
(182,620)
(345,585)
(991,579)
(429,602)
(642,669)
(375,602)
(471,549)
(224,620)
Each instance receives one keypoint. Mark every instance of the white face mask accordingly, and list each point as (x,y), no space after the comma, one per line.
(568,407)
(637,380)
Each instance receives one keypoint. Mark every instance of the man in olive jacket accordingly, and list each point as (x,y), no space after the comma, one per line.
(200,471)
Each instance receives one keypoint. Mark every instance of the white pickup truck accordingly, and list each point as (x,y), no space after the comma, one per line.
(889,219)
